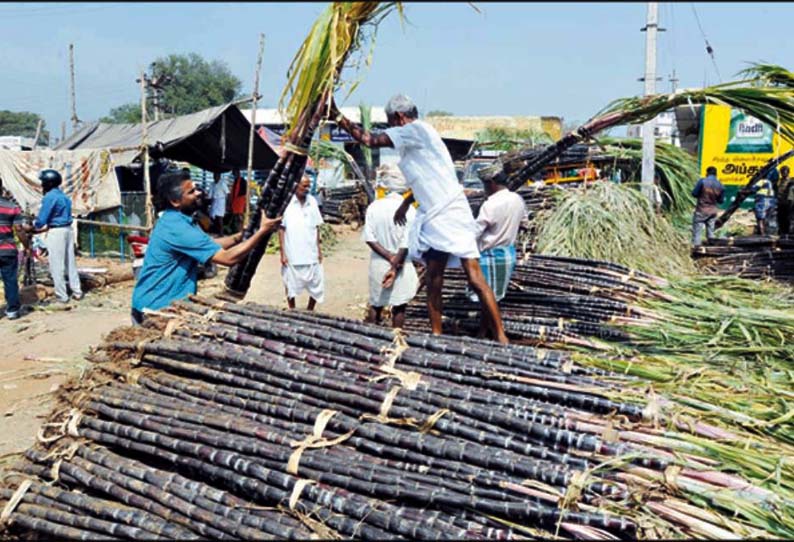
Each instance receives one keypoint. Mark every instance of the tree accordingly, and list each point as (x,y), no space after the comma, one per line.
(438,113)
(195,84)
(124,114)
(22,123)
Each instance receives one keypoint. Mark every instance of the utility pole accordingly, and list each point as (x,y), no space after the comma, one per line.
(157,82)
(254,101)
(648,129)
(147,186)
(75,120)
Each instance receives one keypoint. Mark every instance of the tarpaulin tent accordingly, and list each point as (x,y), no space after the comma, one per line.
(215,139)
(88,177)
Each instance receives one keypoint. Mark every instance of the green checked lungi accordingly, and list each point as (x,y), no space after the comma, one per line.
(497,266)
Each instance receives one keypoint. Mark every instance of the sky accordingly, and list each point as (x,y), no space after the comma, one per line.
(560,59)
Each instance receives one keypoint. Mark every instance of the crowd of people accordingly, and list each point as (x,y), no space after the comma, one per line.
(773,204)
(423,220)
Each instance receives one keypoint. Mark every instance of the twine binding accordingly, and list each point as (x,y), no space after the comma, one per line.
(14,501)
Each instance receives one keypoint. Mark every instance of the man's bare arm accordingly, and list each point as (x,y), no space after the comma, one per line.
(365,137)
(230,240)
(378,249)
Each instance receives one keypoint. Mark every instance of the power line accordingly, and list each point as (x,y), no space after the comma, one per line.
(709,48)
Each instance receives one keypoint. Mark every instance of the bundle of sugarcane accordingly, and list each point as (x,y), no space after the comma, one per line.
(242,421)
(748,257)
(616,223)
(720,345)
(345,204)
(766,92)
(313,75)
(550,300)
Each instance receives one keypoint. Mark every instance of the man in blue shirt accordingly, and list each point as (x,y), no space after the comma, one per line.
(55,218)
(178,245)
(709,192)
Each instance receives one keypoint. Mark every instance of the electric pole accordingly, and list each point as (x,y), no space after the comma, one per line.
(648,129)
(156,83)
(75,120)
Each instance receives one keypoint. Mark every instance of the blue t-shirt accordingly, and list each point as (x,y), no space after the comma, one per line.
(170,267)
(55,211)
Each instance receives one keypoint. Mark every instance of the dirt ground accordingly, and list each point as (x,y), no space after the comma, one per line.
(44,348)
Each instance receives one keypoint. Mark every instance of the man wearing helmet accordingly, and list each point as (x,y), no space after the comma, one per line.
(55,218)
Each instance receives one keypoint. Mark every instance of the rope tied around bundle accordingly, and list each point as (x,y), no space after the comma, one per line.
(315,440)
(395,349)
(14,501)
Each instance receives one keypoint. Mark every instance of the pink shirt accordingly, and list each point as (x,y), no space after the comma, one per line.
(499,219)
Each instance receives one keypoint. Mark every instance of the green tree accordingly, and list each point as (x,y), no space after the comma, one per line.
(195,84)
(22,123)
(124,114)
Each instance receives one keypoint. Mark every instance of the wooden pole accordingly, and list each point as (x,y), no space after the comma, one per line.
(147,185)
(75,120)
(254,100)
(38,134)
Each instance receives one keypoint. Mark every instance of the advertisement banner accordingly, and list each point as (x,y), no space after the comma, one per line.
(737,144)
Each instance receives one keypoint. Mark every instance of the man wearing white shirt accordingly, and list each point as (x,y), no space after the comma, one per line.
(299,240)
(444,230)
(218,193)
(392,280)
(498,222)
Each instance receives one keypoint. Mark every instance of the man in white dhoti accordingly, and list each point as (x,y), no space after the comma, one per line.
(301,254)
(392,280)
(444,231)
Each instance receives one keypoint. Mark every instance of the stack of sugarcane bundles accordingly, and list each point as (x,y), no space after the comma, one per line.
(345,204)
(231,421)
(552,300)
(748,257)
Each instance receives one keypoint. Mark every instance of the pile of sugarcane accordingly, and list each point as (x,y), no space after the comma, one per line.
(551,299)
(232,421)
(345,204)
(756,257)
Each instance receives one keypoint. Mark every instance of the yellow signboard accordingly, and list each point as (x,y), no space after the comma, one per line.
(738,145)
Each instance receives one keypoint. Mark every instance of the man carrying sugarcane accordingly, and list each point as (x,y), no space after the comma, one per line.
(709,193)
(178,245)
(392,280)
(299,242)
(500,216)
(444,232)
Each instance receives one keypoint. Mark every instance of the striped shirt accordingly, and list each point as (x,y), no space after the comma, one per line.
(10,214)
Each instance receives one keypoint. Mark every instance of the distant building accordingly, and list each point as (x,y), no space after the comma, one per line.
(666,129)
(469,126)
(16,143)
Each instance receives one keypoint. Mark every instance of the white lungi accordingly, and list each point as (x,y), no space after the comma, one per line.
(298,278)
